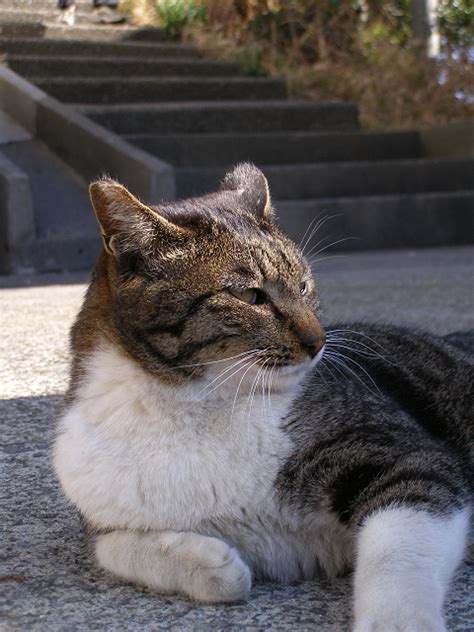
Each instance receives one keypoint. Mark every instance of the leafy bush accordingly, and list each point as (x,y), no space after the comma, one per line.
(456,21)
(251,62)
(174,15)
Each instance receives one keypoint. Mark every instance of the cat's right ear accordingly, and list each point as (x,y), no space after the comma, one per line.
(126,224)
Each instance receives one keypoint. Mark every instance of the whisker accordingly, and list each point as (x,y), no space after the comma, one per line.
(370,353)
(334,243)
(253,388)
(237,392)
(314,246)
(302,246)
(330,363)
(337,363)
(270,387)
(197,364)
(360,367)
(240,383)
(240,363)
(356,333)
(314,261)
(226,370)
(319,222)
(319,372)
(242,366)
(249,403)
(339,358)
(318,226)
(264,401)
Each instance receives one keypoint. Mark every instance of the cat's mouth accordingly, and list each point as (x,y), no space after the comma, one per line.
(305,365)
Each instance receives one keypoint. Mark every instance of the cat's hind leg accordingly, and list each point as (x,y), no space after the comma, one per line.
(202,568)
(405,559)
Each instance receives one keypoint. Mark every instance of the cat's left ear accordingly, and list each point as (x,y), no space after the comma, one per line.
(252,186)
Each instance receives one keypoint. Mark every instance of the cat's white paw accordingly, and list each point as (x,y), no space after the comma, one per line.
(406,622)
(217,572)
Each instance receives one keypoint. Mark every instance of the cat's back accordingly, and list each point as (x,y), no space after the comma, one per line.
(426,381)
(385,405)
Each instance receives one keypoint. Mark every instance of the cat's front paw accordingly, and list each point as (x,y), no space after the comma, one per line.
(405,622)
(217,572)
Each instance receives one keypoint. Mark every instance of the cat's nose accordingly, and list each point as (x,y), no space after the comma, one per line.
(313,342)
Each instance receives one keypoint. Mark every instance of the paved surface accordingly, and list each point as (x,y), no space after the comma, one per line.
(48,579)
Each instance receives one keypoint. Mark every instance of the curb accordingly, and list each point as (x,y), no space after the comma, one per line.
(89,149)
(84,145)
(17,219)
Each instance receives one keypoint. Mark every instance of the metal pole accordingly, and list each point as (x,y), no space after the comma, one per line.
(425,25)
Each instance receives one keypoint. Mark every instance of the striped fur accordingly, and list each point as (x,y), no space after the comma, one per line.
(209,437)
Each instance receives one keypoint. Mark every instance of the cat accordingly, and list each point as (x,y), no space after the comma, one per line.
(211,435)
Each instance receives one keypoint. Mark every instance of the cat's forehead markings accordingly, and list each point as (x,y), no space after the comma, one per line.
(277,262)
(242,271)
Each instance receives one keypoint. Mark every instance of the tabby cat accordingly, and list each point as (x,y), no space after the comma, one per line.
(211,434)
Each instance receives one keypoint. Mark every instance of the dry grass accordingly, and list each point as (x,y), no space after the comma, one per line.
(396,88)
(337,57)
(140,12)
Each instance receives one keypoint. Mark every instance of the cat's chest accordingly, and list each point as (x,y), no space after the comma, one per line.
(129,462)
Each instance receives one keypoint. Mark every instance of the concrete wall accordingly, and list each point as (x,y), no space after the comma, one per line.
(87,147)
(16,214)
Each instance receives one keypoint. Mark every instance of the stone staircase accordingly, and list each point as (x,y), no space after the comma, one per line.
(203,116)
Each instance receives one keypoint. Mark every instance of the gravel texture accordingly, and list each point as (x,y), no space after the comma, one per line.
(47,577)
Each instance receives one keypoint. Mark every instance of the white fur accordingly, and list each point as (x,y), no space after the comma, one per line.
(134,454)
(202,568)
(405,559)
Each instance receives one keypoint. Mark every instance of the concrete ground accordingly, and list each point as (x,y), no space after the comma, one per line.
(48,579)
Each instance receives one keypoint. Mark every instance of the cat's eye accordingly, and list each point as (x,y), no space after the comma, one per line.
(303,288)
(252,296)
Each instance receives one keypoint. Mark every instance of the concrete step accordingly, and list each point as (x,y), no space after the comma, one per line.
(60,199)
(105,33)
(42,5)
(376,222)
(300,181)
(65,231)
(101,33)
(209,116)
(20,29)
(39,15)
(99,90)
(46,66)
(60,254)
(209,150)
(148,50)
(85,14)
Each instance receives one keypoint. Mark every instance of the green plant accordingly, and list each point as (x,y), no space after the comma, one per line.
(251,62)
(456,21)
(174,15)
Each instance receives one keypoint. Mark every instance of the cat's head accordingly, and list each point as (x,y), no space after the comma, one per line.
(198,285)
